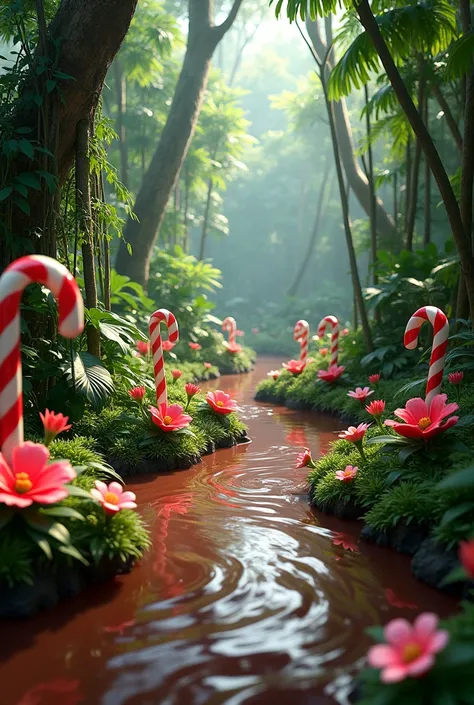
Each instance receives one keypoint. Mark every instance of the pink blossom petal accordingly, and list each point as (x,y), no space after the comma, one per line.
(48,495)
(398,631)
(382,655)
(128,505)
(404,429)
(439,409)
(417,407)
(14,500)
(421,665)
(116,488)
(101,487)
(425,625)
(97,494)
(128,497)
(31,458)
(394,674)
(439,641)
(113,508)
(6,471)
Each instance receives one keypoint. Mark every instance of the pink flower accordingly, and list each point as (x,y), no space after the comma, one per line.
(345,331)
(30,479)
(274,374)
(360,393)
(466,556)
(455,377)
(112,497)
(344,540)
(304,459)
(348,474)
(410,650)
(233,348)
(355,434)
(376,408)
(191,390)
(207,365)
(167,345)
(239,333)
(176,374)
(53,425)
(374,379)
(294,366)
(255,331)
(221,402)
(332,374)
(422,420)
(137,393)
(324,351)
(143,347)
(170,418)
(195,346)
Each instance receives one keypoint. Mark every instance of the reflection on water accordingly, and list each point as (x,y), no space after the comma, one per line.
(247,596)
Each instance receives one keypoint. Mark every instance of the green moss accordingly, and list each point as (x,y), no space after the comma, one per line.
(408,502)
(17,553)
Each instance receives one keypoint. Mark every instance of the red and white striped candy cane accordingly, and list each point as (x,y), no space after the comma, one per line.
(301,333)
(15,278)
(156,319)
(229,325)
(334,323)
(440,324)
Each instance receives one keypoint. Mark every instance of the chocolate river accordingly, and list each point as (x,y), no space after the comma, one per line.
(247,595)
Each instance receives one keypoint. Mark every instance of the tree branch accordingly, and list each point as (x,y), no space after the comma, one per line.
(221,29)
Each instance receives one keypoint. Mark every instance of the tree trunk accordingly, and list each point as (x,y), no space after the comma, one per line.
(416,163)
(83,205)
(427,214)
(462,239)
(451,122)
(395,198)
(373,199)
(408,169)
(186,208)
(87,34)
(175,138)
(205,220)
(322,200)
(121,98)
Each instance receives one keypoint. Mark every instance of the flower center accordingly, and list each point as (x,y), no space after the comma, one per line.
(424,422)
(411,652)
(220,403)
(22,482)
(167,420)
(111,498)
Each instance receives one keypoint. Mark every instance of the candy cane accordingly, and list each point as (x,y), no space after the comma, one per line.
(15,278)
(229,324)
(301,333)
(161,316)
(334,323)
(440,324)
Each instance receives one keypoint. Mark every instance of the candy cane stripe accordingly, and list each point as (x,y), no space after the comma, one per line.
(21,273)
(166,317)
(301,333)
(334,324)
(440,324)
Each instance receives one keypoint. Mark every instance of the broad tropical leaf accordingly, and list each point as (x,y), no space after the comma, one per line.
(461,57)
(92,379)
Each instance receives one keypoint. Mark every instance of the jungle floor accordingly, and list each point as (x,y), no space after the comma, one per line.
(247,595)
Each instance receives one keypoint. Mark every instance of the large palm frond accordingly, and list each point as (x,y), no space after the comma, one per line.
(461,56)
(308,8)
(427,28)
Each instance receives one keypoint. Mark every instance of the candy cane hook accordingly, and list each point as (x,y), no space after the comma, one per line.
(15,278)
(440,324)
(301,333)
(156,319)
(229,325)
(334,324)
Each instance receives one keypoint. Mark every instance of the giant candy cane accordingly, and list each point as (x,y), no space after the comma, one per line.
(229,325)
(156,319)
(50,273)
(334,323)
(440,325)
(301,333)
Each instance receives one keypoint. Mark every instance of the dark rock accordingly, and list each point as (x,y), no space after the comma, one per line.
(356,693)
(148,465)
(432,563)
(347,510)
(298,405)
(380,538)
(406,539)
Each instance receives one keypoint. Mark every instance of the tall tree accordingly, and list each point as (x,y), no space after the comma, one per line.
(165,166)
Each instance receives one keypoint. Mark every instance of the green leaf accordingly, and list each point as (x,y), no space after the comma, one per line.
(405,453)
(42,524)
(70,550)
(456,512)
(75,491)
(41,542)
(66,512)
(5,192)
(26,147)
(92,379)
(50,85)
(28,179)
(459,480)
(458,575)
(22,204)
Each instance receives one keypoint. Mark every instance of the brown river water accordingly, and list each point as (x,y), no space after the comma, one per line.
(247,596)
